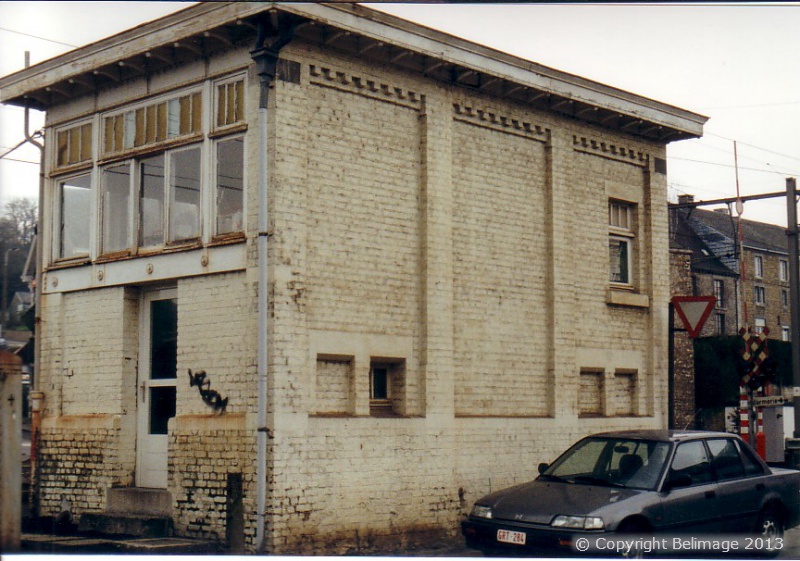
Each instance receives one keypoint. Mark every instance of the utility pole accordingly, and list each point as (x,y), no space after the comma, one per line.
(794,296)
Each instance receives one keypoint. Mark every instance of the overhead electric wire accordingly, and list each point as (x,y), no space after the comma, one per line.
(38,37)
(730,165)
(21,161)
(18,145)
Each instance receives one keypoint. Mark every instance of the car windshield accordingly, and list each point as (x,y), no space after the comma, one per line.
(611,462)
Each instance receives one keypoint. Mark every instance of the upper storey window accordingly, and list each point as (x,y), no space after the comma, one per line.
(74,145)
(230,103)
(620,242)
(153,123)
(167,173)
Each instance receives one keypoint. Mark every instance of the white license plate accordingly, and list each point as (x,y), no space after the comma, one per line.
(507,536)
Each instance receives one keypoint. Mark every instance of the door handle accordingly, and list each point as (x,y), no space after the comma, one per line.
(710,494)
(143,391)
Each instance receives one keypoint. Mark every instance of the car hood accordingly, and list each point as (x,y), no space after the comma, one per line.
(540,501)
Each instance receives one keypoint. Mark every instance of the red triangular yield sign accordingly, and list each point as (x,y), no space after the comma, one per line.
(694,311)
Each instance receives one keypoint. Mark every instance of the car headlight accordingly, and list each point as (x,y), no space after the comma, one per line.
(578,522)
(480,511)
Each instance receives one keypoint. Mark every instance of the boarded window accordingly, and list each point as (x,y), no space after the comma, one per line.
(153,123)
(230,103)
(625,393)
(591,394)
(74,145)
(334,379)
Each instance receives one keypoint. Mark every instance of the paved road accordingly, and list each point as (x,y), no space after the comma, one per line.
(792,549)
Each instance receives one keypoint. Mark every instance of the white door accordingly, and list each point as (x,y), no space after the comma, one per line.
(156,385)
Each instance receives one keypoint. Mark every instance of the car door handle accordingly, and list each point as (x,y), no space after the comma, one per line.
(710,494)
(760,487)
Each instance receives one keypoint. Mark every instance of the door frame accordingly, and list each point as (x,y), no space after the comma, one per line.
(151,450)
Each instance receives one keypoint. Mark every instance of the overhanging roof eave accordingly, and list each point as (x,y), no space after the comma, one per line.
(667,122)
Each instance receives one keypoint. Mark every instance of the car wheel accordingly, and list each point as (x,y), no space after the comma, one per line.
(632,528)
(769,529)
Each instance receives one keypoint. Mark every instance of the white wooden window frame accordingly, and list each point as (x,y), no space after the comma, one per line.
(207,139)
(621,230)
(758,266)
(760,295)
(58,218)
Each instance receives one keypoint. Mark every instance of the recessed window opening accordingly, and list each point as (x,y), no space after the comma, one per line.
(620,242)
(386,380)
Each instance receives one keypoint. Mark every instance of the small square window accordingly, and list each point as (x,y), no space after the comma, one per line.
(379,387)
(386,379)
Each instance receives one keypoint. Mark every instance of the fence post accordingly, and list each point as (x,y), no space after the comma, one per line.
(10,451)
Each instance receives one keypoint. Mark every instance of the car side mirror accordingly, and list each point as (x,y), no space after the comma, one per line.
(678,480)
(543,468)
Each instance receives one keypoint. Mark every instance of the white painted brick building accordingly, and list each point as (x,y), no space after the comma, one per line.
(467,270)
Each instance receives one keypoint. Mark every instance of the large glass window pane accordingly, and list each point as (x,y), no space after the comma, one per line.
(230,184)
(151,203)
(76,199)
(619,260)
(184,184)
(164,343)
(116,208)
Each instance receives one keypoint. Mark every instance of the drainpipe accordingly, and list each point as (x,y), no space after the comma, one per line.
(36,396)
(266,59)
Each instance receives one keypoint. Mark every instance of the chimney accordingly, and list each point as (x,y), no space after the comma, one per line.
(685,199)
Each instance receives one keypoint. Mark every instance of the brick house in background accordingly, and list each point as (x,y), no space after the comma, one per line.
(439,215)
(709,239)
(763,297)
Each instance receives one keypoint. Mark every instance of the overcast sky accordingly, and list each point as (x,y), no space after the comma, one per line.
(732,63)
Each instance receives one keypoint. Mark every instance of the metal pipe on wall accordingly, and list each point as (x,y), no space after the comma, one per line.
(266,59)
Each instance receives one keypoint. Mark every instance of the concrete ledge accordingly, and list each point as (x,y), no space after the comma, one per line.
(624,298)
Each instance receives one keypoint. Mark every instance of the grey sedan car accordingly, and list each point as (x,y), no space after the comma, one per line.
(641,483)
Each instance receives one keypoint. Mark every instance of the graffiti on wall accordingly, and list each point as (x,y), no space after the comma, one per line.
(210,397)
